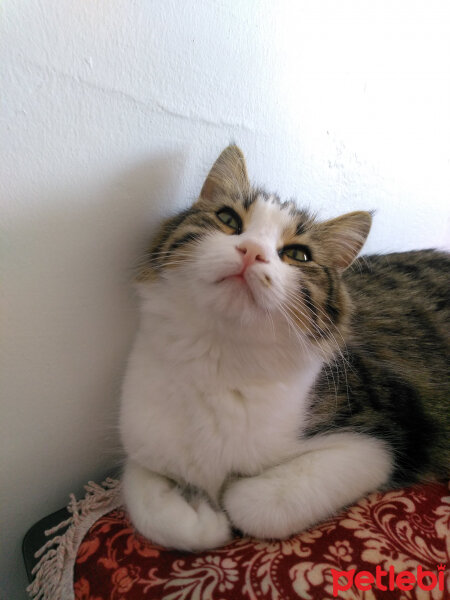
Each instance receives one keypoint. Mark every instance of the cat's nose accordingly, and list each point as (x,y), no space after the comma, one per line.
(251,252)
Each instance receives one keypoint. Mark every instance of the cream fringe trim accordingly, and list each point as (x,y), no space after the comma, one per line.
(53,575)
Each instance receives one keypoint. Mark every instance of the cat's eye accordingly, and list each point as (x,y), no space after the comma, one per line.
(230,218)
(296,252)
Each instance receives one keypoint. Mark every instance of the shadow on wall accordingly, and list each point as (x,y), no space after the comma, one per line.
(78,232)
(70,321)
(72,314)
(152,187)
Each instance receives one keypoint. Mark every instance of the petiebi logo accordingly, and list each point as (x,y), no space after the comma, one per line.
(388,580)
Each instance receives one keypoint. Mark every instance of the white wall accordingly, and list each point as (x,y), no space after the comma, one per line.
(111,114)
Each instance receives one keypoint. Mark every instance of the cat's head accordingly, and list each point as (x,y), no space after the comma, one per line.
(240,254)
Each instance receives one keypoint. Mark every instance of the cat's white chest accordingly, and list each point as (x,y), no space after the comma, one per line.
(236,431)
(182,423)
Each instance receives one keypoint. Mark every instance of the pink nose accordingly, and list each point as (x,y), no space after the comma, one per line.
(251,252)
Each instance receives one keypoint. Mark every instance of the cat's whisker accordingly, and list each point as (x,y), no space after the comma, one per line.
(292,328)
(298,304)
(327,368)
(294,318)
(175,253)
(174,262)
(326,358)
(300,309)
(295,299)
(318,347)
(345,363)
(269,316)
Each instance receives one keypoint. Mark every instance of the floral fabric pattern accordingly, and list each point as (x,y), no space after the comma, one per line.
(401,530)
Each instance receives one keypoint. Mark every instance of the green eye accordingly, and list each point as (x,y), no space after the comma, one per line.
(230,218)
(297,253)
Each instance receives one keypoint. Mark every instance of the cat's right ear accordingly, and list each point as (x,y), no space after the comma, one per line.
(228,175)
(341,239)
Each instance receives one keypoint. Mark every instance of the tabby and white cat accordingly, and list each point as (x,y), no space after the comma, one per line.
(268,386)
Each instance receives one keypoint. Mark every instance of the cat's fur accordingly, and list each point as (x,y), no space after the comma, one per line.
(268,401)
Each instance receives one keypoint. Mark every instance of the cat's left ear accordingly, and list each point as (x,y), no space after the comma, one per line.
(342,238)
(228,175)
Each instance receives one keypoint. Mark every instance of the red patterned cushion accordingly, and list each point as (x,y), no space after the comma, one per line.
(402,530)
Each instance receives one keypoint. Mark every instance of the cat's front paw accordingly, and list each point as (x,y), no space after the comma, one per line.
(212,528)
(160,513)
(192,528)
(257,507)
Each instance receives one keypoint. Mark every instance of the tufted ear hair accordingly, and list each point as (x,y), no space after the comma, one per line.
(228,175)
(341,239)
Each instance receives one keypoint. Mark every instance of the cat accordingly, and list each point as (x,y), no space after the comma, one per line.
(270,383)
